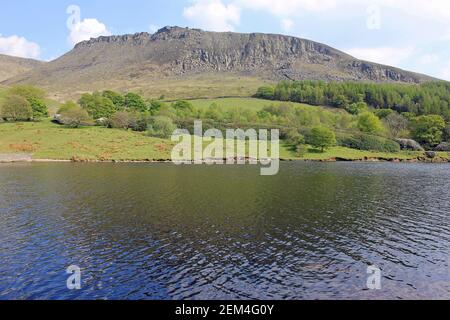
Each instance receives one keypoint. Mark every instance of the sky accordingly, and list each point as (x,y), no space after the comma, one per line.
(410,34)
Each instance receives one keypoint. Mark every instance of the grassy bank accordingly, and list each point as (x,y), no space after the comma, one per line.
(46,140)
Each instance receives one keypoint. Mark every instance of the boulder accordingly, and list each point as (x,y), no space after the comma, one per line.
(444,147)
(409,144)
(431,154)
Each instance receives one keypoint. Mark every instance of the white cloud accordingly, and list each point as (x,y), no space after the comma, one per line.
(434,9)
(87,29)
(287,24)
(213,15)
(429,58)
(289,8)
(383,55)
(19,47)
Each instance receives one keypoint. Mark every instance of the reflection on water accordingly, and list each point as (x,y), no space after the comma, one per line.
(159,231)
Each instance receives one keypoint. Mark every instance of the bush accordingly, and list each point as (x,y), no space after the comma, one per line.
(72,115)
(120,120)
(293,137)
(16,108)
(161,127)
(368,143)
(265,93)
(369,123)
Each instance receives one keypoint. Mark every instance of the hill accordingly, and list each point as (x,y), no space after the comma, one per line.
(191,63)
(14,66)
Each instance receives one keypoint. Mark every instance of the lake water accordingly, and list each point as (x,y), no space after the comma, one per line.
(158,231)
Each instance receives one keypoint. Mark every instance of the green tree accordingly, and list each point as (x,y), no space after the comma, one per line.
(39,108)
(322,138)
(16,108)
(357,108)
(369,123)
(27,92)
(428,129)
(117,99)
(97,105)
(135,102)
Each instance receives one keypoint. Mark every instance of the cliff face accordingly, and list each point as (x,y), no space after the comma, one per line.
(181,52)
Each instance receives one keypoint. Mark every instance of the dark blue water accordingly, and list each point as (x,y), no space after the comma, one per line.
(140,231)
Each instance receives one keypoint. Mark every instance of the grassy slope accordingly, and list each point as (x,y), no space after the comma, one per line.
(252,103)
(50,141)
(46,140)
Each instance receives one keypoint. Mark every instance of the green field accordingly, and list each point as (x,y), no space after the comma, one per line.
(252,104)
(46,140)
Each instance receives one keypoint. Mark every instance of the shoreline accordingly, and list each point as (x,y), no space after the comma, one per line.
(28,158)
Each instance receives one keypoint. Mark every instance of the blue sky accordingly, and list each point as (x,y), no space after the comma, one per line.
(411,34)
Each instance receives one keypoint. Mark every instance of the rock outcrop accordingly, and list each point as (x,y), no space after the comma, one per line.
(183,52)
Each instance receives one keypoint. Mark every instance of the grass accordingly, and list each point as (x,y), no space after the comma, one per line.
(253,104)
(46,140)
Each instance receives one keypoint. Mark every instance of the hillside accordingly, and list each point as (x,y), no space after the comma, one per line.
(197,63)
(14,66)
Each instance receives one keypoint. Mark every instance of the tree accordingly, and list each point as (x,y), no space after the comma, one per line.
(16,108)
(117,99)
(39,108)
(322,138)
(369,123)
(396,124)
(27,92)
(357,108)
(73,115)
(161,127)
(97,105)
(135,102)
(428,129)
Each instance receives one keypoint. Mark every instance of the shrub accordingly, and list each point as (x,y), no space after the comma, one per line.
(120,120)
(265,93)
(183,108)
(16,108)
(368,143)
(161,127)
(294,137)
(72,115)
